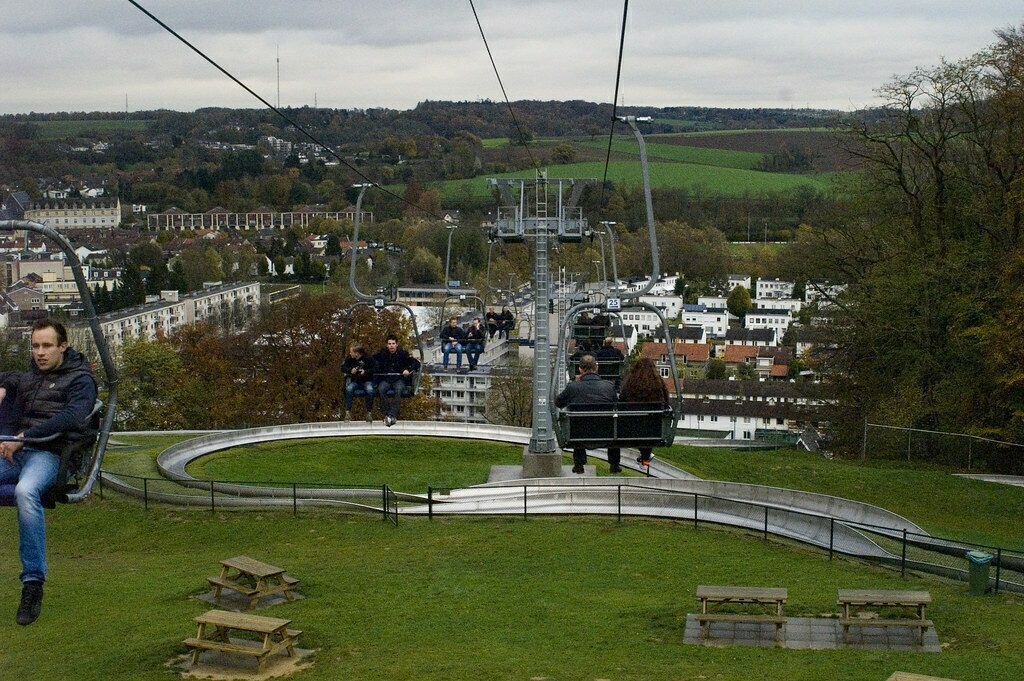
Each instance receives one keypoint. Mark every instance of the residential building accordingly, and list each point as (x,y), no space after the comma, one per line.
(691,355)
(174,311)
(794,305)
(772,392)
(742,419)
(754,337)
(735,280)
(777,320)
(71,214)
(822,291)
(261,218)
(715,321)
(431,295)
(644,321)
(774,288)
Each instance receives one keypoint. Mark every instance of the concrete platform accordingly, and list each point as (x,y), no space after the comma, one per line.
(810,633)
(220,666)
(232,600)
(506,473)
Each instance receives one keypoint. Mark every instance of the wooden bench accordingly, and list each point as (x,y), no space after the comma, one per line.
(745,595)
(253,579)
(215,627)
(849,599)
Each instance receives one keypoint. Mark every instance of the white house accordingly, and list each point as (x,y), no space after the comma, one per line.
(774,288)
(643,321)
(736,419)
(714,320)
(822,290)
(718,302)
(669,305)
(735,280)
(779,320)
(792,304)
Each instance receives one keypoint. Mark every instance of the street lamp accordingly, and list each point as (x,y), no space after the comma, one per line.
(609,228)
(448,259)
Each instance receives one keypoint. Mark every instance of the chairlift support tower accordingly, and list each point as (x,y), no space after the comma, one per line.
(540,210)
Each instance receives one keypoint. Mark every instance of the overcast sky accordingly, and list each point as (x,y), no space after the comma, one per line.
(57,55)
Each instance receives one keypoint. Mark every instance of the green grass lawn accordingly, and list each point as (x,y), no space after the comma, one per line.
(944,505)
(57,130)
(723,158)
(712,179)
(472,598)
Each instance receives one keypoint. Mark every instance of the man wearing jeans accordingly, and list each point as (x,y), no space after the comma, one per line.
(393,368)
(56,396)
(451,341)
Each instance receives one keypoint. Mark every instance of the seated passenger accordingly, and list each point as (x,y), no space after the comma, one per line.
(358,369)
(56,396)
(609,352)
(491,318)
(589,388)
(506,320)
(643,384)
(451,341)
(393,369)
(600,319)
(583,334)
(474,343)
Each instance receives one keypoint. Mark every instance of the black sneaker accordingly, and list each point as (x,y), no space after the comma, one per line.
(31,602)
(614,469)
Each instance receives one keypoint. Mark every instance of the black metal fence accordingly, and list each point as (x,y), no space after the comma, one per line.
(959,450)
(899,549)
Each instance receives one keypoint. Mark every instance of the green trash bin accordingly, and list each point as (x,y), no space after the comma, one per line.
(978,562)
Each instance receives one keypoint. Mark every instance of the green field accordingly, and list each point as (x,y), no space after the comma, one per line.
(674,152)
(58,130)
(466,598)
(495,598)
(706,178)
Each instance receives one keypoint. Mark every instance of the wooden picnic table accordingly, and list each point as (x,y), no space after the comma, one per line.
(252,578)
(215,627)
(864,599)
(745,595)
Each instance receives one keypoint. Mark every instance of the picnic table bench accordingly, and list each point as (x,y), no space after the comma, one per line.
(215,627)
(884,598)
(741,594)
(253,579)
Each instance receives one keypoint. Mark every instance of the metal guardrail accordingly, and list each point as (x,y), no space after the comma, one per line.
(897,548)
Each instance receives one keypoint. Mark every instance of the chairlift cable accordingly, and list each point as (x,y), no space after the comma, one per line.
(615,103)
(288,119)
(511,112)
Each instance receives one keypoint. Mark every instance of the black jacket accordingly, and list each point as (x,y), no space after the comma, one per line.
(385,362)
(590,389)
(475,335)
(57,401)
(507,316)
(365,363)
(452,333)
(609,353)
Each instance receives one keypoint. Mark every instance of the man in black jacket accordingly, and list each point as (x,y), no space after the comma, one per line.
(451,341)
(56,396)
(358,369)
(506,320)
(393,369)
(589,388)
(474,343)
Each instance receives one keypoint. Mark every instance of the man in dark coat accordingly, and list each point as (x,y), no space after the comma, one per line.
(506,320)
(589,388)
(393,368)
(358,369)
(451,341)
(474,343)
(56,396)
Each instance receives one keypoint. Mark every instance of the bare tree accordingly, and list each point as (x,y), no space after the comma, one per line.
(510,398)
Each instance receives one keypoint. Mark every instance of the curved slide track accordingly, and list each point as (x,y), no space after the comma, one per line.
(817,519)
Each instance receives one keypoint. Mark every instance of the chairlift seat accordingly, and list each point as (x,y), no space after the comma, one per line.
(76,459)
(608,369)
(619,424)
(408,389)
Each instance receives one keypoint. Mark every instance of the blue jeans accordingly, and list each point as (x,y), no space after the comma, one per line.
(391,406)
(350,394)
(449,347)
(34,471)
(473,351)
